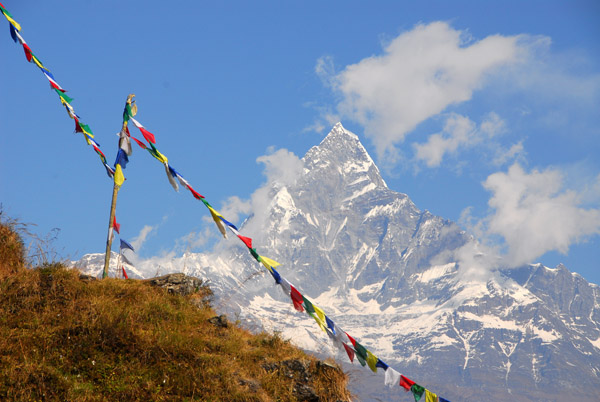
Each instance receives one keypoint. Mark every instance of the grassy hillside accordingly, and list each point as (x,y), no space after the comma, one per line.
(68,339)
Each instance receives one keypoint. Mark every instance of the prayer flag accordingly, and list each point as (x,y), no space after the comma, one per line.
(124,141)
(406,383)
(225,221)
(124,273)
(372,361)
(86,129)
(417,391)
(147,134)
(27,52)
(118,175)
(38,62)
(442,399)
(381,364)
(63,96)
(268,263)
(286,287)
(126,259)
(246,240)
(125,244)
(198,196)
(330,324)
(121,159)
(170,177)
(254,254)
(217,218)
(430,396)
(140,143)
(276,275)
(297,299)
(320,317)
(349,351)
(13,32)
(116,225)
(392,377)
(308,306)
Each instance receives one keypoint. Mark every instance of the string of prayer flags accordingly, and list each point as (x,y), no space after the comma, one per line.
(65,100)
(301,303)
(10,18)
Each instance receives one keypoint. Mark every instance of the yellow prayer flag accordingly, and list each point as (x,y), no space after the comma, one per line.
(119,178)
(320,318)
(161,157)
(12,21)
(38,63)
(216,217)
(430,396)
(268,263)
(372,361)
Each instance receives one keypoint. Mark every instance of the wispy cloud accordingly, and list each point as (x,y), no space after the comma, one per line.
(460,134)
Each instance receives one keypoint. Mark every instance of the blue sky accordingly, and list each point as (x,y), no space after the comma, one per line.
(485,113)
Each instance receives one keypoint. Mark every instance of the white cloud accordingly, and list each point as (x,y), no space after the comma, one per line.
(420,74)
(534,213)
(461,133)
(458,131)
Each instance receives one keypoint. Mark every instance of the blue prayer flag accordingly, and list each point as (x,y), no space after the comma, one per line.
(124,244)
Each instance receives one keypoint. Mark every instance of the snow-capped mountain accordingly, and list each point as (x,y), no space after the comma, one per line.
(93,265)
(387,273)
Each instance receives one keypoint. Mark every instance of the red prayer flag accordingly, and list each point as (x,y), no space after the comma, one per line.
(124,273)
(147,135)
(140,143)
(27,52)
(55,86)
(116,225)
(196,194)
(247,241)
(78,128)
(406,383)
(297,299)
(349,351)
(351,339)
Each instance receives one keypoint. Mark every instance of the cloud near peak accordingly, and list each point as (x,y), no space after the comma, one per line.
(420,73)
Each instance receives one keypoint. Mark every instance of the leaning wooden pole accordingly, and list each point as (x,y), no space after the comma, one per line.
(113,206)
(125,146)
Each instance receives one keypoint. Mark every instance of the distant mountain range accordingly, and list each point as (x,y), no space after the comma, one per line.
(386,272)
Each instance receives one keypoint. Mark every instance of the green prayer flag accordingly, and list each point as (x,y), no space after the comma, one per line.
(254,254)
(127,112)
(86,129)
(361,352)
(64,96)
(417,391)
(308,306)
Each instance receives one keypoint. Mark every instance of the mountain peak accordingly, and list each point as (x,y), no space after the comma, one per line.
(342,152)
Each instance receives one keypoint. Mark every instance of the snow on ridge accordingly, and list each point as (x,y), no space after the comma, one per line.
(435,272)
(388,209)
(369,187)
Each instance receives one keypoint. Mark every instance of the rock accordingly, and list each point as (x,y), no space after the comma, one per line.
(219,321)
(177,283)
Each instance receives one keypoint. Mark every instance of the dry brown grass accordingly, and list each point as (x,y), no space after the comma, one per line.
(65,339)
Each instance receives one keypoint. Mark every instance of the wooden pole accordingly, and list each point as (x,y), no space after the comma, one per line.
(113,207)
(129,105)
